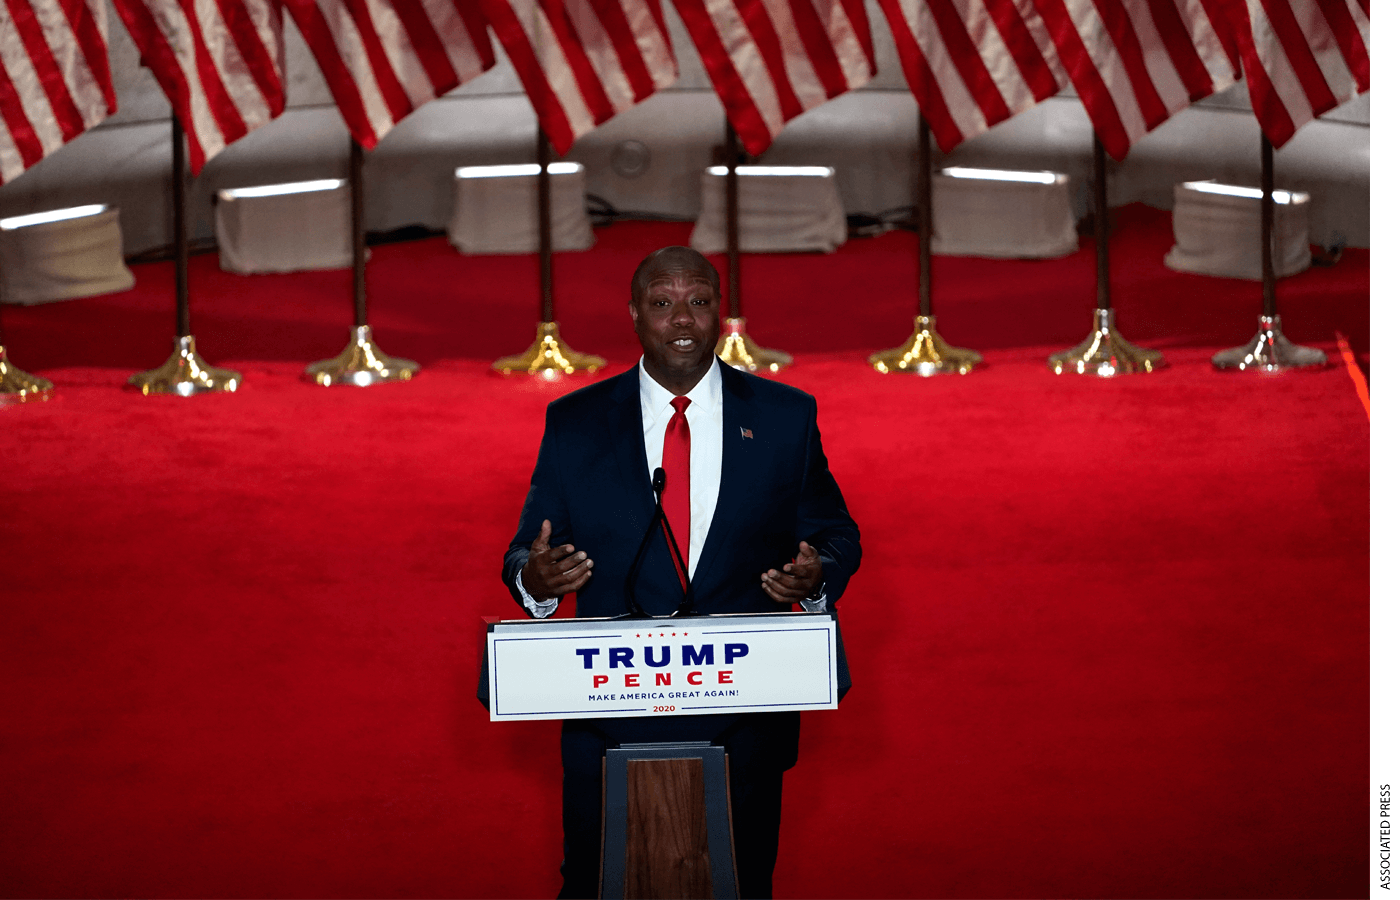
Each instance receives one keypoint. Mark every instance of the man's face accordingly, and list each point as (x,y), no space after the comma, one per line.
(678,324)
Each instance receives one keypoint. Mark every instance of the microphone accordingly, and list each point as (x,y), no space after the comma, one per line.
(635,610)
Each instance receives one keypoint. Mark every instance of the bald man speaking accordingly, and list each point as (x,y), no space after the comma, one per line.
(759,520)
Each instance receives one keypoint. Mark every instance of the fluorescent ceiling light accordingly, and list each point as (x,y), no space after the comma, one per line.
(1234,190)
(809,171)
(53,215)
(1002,175)
(276,190)
(555,168)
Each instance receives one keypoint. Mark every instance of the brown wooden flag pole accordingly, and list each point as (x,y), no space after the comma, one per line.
(17,385)
(731,219)
(358,255)
(1104,352)
(736,347)
(185,373)
(361,363)
(548,356)
(544,205)
(1268,350)
(925,353)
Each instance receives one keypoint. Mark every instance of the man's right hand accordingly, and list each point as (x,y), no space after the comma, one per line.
(552,572)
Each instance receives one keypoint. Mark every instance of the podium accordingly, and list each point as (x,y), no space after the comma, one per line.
(295,227)
(667,831)
(1217,231)
(782,209)
(1002,214)
(62,255)
(493,209)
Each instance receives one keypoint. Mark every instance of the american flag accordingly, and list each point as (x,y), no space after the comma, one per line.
(583,61)
(974,63)
(1301,58)
(383,59)
(1136,63)
(55,82)
(772,60)
(219,62)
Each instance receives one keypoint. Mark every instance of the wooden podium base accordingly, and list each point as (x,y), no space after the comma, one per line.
(667,832)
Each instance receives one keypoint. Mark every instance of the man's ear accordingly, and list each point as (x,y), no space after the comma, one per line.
(632,308)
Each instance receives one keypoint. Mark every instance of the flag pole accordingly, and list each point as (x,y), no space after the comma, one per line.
(731,220)
(544,221)
(737,348)
(1104,352)
(185,373)
(361,363)
(925,353)
(1268,350)
(17,385)
(548,357)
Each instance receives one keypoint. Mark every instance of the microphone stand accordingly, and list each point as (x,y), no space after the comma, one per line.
(634,608)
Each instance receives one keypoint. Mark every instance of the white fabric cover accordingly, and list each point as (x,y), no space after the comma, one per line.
(1002,219)
(777,214)
(284,232)
(497,215)
(1217,234)
(63,260)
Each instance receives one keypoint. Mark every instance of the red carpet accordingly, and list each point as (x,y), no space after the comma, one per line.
(1109,639)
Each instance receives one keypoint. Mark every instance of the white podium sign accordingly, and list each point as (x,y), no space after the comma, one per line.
(602,668)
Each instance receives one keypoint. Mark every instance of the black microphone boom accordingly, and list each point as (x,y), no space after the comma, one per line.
(635,610)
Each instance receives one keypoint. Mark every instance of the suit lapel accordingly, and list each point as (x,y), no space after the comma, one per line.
(736,469)
(629,445)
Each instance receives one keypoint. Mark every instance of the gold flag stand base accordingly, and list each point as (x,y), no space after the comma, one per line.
(549,357)
(925,353)
(18,386)
(185,373)
(1269,351)
(1105,353)
(738,350)
(361,363)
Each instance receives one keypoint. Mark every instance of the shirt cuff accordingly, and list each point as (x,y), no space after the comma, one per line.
(543,609)
(818,603)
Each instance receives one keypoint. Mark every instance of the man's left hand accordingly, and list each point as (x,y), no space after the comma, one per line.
(798,580)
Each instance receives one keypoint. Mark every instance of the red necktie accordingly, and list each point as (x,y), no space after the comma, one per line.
(675,497)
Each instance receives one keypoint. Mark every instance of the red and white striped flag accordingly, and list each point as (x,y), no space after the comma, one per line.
(383,59)
(55,82)
(1301,58)
(772,60)
(974,63)
(1137,63)
(220,63)
(583,61)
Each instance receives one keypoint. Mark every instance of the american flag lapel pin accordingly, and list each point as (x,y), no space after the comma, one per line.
(745,433)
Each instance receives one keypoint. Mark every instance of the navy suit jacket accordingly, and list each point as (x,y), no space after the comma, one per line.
(592,482)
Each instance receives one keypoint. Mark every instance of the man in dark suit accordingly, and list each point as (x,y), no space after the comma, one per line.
(760,525)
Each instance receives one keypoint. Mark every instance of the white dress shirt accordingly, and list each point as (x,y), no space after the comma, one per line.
(705,416)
